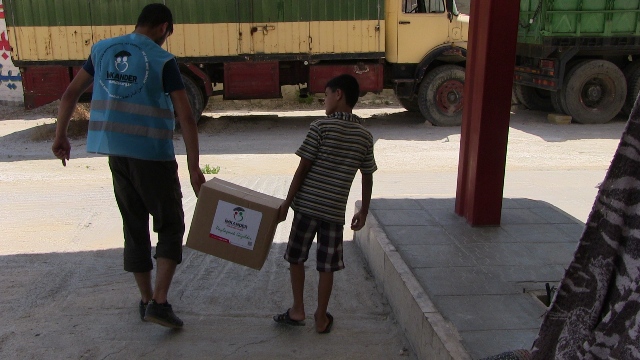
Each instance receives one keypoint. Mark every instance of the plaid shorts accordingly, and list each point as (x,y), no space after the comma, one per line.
(329,252)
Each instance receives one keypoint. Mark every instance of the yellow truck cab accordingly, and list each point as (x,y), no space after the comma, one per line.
(253,47)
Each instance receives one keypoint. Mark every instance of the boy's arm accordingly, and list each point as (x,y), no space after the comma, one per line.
(360,217)
(298,178)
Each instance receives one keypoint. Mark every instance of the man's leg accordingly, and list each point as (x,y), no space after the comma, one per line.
(297,286)
(159,310)
(159,187)
(135,220)
(143,279)
(164,274)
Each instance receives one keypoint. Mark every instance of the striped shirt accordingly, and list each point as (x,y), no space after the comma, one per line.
(338,146)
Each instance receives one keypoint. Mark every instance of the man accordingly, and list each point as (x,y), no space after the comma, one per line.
(136,89)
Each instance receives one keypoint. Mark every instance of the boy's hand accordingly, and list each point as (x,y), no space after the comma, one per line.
(358,221)
(282,212)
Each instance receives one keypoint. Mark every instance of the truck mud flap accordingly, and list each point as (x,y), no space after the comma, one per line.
(44,84)
(252,80)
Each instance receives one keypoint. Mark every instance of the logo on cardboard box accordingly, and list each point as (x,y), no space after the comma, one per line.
(235,225)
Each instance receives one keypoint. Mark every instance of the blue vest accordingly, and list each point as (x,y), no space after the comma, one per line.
(130,113)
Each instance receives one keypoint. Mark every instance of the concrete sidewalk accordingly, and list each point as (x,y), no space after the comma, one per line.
(461,292)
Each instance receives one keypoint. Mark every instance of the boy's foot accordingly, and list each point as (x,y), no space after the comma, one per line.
(284,318)
(142,307)
(162,314)
(327,328)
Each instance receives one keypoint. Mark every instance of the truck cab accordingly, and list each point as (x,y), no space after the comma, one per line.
(426,45)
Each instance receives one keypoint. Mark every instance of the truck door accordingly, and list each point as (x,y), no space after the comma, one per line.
(271,27)
(422,25)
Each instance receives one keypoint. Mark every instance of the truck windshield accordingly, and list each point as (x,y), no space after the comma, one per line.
(423,6)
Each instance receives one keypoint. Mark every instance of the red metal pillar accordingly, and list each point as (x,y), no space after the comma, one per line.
(487,100)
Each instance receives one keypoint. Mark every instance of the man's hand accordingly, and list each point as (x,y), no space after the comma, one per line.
(358,221)
(61,149)
(197,179)
(80,83)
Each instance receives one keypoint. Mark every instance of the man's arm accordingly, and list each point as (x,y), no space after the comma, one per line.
(298,178)
(360,218)
(61,147)
(190,136)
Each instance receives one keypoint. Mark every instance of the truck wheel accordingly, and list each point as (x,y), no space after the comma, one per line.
(594,92)
(632,74)
(534,98)
(558,102)
(440,95)
(410,105)
(196,98)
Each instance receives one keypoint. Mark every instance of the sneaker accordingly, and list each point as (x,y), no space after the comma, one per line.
(143,309)
(162,314)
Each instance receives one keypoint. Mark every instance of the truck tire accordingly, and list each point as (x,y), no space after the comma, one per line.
(410,105)
(558,102)
(632,74)
(534,98)
(440,95)
(196,97)
(594,91)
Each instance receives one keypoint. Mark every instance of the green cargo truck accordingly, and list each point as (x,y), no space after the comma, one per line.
(579,57)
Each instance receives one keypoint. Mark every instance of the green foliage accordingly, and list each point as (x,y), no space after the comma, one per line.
(210,170)
(304,100)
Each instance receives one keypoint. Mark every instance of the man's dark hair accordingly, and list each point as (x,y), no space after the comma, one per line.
(349,86)
(154,15)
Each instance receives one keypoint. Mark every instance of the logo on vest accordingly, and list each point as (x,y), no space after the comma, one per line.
(124,70)
(121,61)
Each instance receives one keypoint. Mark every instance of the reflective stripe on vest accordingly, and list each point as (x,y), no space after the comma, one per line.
(129,129)
(135,109)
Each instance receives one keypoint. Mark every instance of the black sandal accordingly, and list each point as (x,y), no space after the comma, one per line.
(284,318)
(329,325)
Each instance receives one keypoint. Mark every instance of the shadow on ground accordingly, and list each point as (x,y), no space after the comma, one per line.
(83,305)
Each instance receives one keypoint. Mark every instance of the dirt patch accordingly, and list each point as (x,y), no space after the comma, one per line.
(291,101)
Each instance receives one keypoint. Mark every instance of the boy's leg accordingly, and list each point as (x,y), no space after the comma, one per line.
(303,230)
(297,287)
(325,285)
(329,260)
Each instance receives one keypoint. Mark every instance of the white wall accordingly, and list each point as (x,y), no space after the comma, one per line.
(11,91)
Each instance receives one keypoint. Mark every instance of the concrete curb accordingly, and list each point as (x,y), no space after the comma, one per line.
(430,335)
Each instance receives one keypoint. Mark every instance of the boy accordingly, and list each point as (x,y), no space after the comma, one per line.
(333,151)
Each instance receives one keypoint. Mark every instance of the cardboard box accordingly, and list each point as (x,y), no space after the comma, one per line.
(234,223)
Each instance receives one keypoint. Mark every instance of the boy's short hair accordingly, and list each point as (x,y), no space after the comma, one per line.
(154,15)
(349,85)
